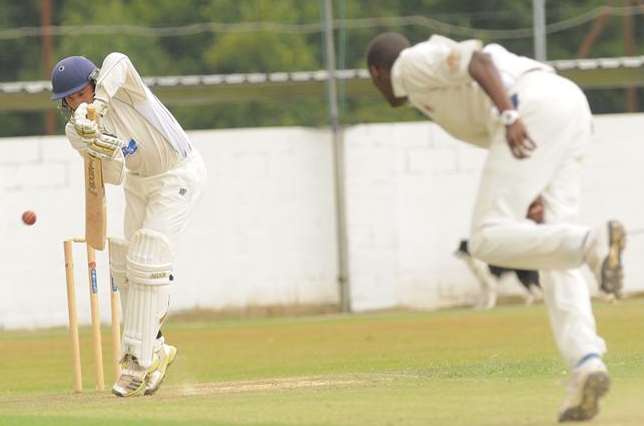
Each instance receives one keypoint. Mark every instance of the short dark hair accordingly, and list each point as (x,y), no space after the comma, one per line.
(384,49)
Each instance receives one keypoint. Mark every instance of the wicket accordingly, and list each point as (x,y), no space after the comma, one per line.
(95,315)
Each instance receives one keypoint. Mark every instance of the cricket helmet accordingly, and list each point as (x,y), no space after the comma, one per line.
(70,75)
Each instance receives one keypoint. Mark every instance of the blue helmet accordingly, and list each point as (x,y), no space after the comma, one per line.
(70,75)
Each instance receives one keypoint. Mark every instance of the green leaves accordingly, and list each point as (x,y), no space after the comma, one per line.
(171,37)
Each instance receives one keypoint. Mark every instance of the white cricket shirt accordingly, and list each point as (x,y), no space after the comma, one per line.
(434,76)
(155,142)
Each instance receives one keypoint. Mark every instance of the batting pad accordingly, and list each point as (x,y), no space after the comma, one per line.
(118,265)
(149,273)
(149,258)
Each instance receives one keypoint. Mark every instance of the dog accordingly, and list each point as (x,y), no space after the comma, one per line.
(490,276)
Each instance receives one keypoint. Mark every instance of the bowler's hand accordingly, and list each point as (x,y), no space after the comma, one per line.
(536,210)
(519,141)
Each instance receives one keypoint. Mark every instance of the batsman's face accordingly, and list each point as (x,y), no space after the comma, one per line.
(381,78)
(86,94)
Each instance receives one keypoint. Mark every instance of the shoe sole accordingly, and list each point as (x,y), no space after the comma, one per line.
(612,270)
(596,386)
(149,392)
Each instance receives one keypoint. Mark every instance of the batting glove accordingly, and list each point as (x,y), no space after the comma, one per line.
(101,106)
(106,146)
(86,128)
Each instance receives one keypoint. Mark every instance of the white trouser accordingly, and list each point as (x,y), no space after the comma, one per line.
(558,119)
(164,202)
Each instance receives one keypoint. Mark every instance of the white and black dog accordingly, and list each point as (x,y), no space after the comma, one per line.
(490,276)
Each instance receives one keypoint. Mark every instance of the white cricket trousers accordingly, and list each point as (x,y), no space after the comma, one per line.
(164,202)
(558,118)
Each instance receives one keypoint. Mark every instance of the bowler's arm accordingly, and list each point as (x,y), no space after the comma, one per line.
(485,73)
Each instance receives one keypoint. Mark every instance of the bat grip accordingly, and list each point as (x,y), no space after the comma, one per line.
(91,112)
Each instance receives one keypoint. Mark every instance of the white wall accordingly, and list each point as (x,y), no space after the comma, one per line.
(411,189)
(265,231)
(410,192)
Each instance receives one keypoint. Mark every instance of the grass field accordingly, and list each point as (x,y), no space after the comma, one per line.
(447,368)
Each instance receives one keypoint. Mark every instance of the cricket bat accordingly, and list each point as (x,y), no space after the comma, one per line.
(95,205)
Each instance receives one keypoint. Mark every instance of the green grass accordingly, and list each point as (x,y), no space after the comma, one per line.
(447,368)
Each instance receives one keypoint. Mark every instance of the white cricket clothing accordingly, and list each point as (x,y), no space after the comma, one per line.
(434,76)
(149,274)
(155,139)
(135,113)
(165,202)
(118,268)
(113,169)
(163,182)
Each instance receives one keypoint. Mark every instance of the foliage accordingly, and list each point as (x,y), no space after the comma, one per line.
(268,51)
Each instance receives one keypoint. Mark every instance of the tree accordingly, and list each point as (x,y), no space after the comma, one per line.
(254,50)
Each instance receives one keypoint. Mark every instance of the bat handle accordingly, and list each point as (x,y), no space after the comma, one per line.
(91,112)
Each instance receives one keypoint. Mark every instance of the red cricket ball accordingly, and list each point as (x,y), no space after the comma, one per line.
(29,217)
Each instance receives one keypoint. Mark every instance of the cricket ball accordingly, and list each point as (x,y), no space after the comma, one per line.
(29,217)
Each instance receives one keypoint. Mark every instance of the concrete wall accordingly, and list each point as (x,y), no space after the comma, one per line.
(264,233)
(411,189)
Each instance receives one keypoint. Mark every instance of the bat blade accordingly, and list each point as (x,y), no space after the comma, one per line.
(95,203)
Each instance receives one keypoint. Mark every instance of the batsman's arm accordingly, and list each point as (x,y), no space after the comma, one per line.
(113,162)
(118,74)
(77,142)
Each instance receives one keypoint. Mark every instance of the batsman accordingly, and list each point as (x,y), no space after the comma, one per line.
(141,145)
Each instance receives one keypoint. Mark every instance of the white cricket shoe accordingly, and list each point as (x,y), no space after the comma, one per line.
(134,377)
(166,354)
(587,384)
(604,256)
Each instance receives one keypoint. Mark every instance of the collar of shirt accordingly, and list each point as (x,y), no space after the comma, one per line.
(396,79)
